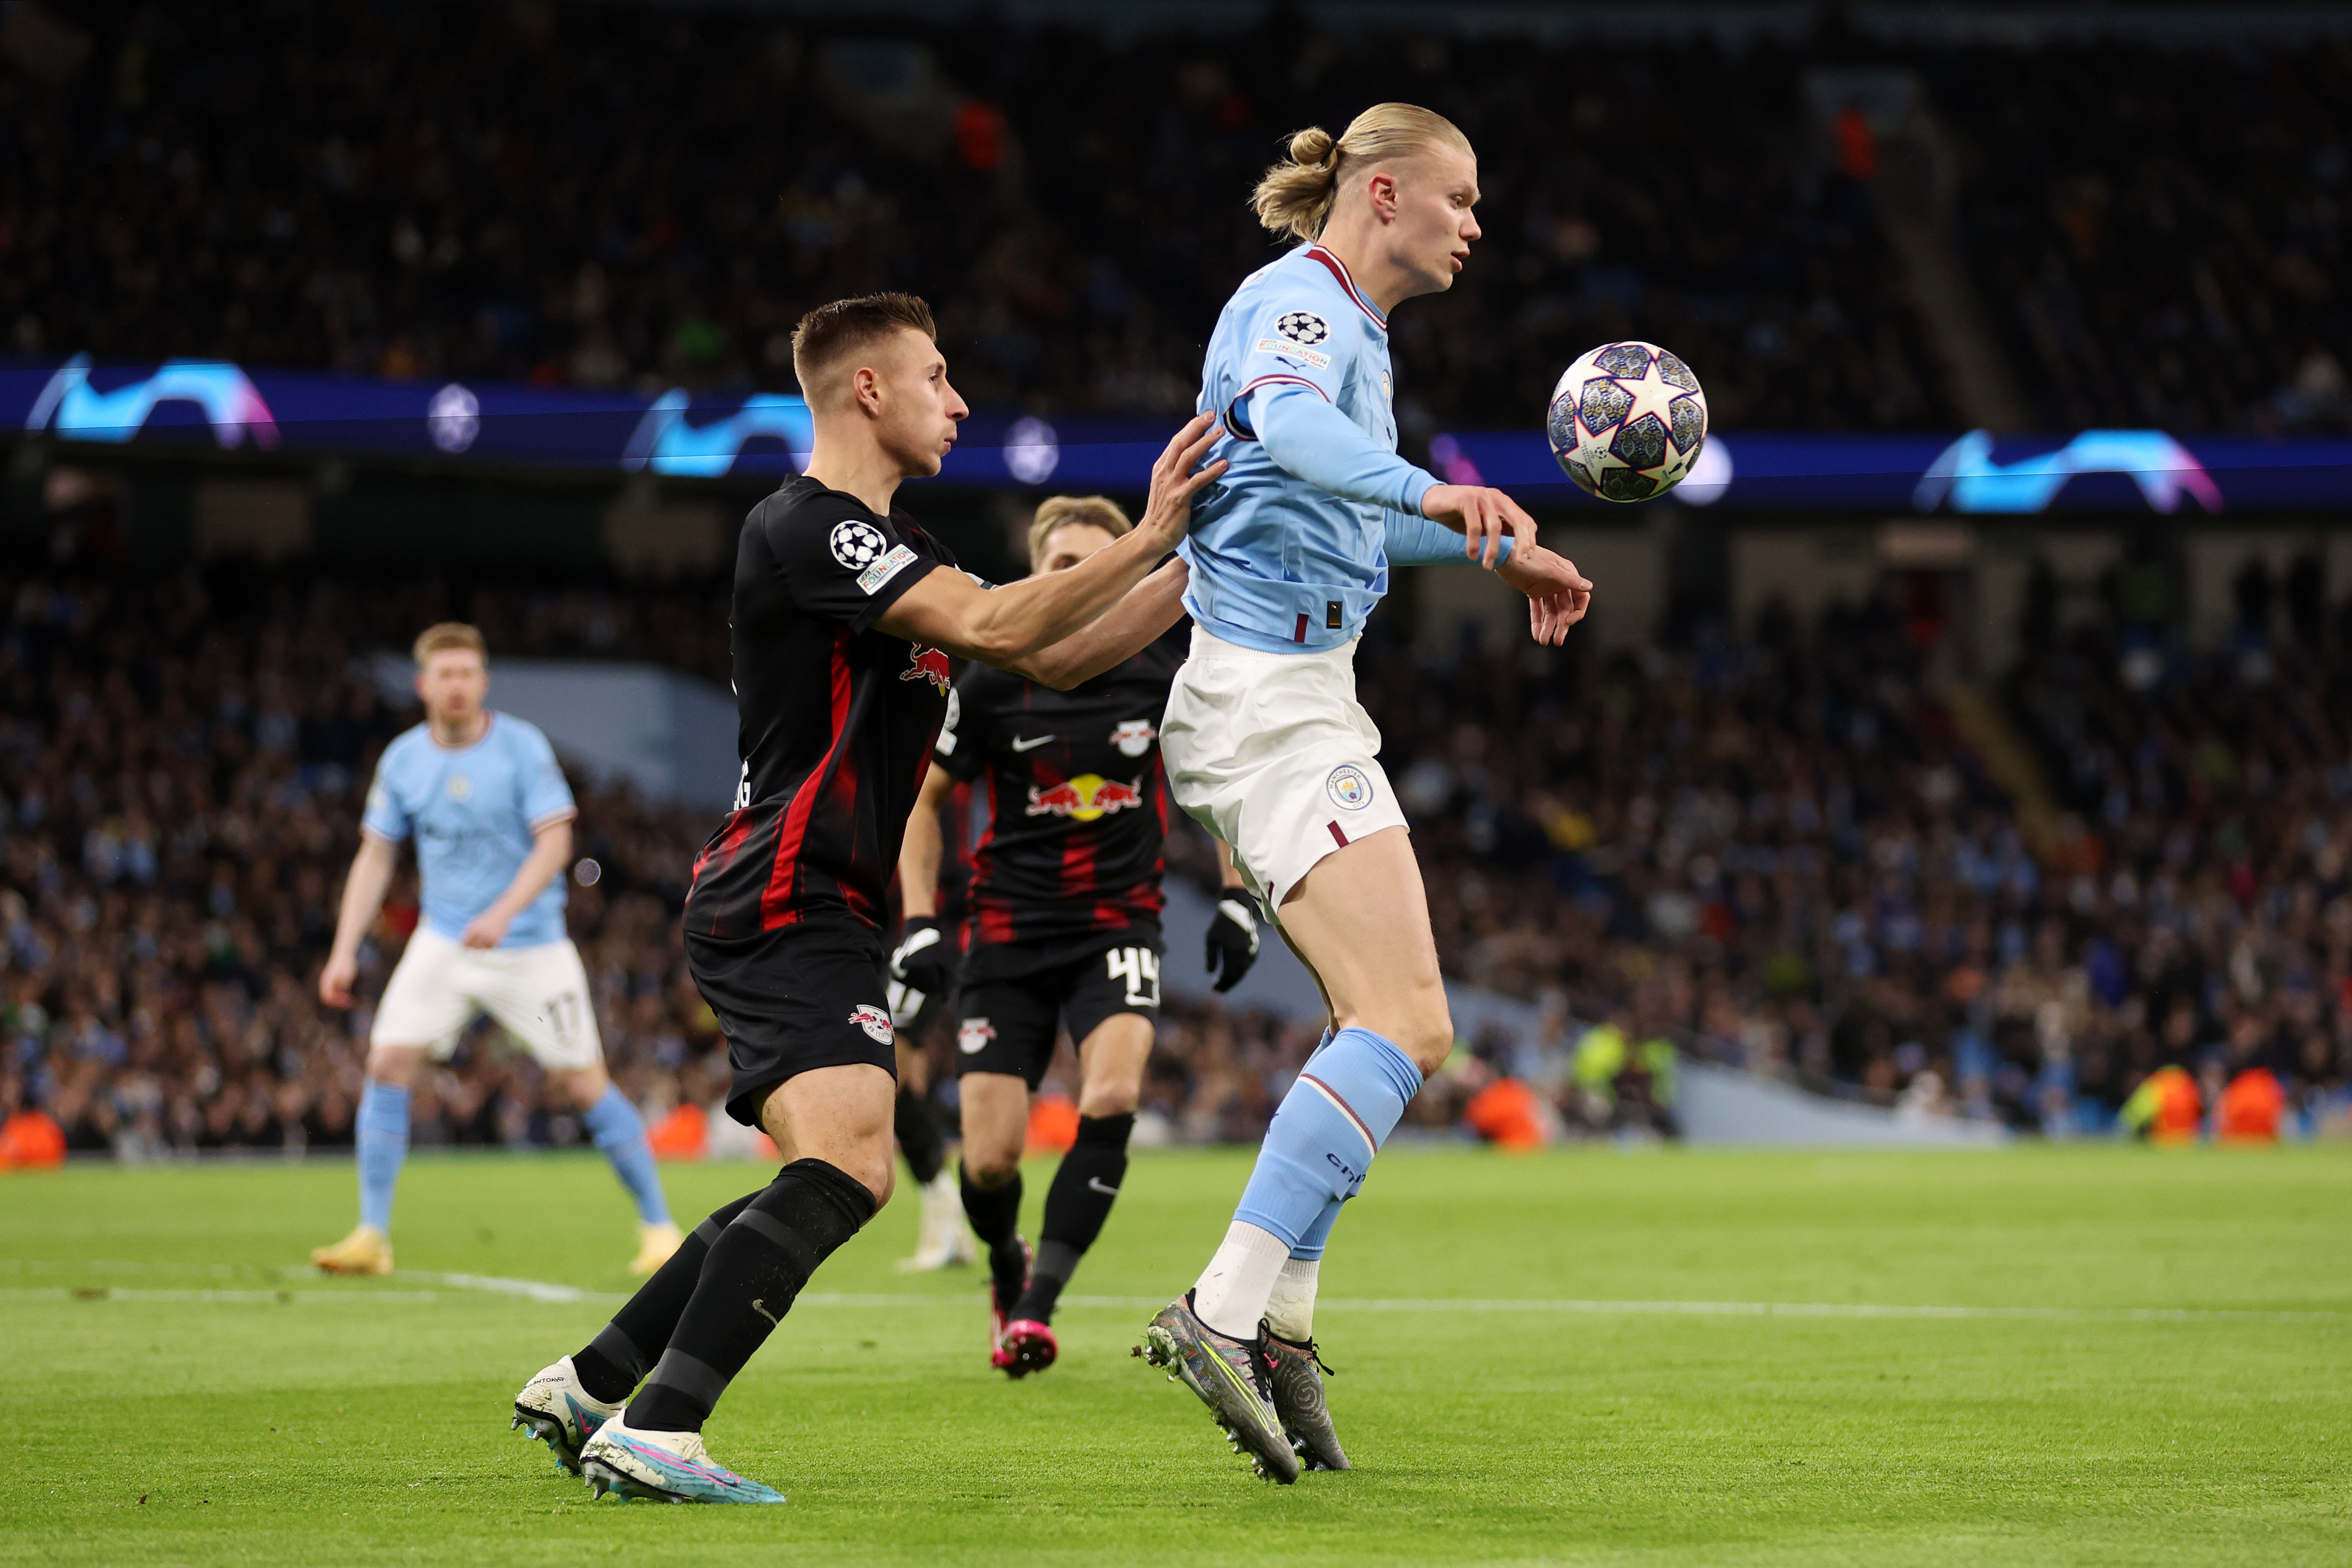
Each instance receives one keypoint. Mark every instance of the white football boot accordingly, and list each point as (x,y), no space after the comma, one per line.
(664,1466)
(947,1241)
(554,1408)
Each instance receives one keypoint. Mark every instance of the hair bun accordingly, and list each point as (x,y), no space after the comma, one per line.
(1313,146)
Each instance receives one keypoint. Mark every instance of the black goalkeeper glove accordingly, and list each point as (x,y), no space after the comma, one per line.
(1232,938)
(924,963)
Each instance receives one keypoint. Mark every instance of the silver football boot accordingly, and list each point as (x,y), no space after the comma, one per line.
(1233,1379)
(1297,1385)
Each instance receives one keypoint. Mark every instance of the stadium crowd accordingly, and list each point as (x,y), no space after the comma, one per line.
(1776,852)
(596,194)
(2178,257)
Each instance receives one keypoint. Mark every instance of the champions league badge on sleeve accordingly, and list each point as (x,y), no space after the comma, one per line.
(856,545)
(1295,334)
(1303,327)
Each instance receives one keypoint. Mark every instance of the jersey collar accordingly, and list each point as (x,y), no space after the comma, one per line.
(489,716)
(1340,271)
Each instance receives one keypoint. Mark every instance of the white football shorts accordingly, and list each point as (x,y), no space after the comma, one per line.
(538,994)
(1273,753)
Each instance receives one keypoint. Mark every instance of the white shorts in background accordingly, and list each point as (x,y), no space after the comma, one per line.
(1273,753)
(538,994)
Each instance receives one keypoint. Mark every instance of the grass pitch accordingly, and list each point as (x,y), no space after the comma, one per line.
(2165,1375)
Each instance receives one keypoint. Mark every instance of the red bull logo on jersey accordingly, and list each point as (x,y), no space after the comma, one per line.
(1085,798)
(1134,738)
(927,665)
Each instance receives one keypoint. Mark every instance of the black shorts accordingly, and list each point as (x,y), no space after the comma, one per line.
(792,1000)
(1007,1023)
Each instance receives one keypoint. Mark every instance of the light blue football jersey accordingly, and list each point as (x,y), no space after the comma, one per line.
(1278,563)
(473,811)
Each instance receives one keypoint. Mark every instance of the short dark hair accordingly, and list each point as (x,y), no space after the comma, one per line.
(829,332)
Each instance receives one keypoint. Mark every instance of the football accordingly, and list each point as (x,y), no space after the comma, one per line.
(1627,421)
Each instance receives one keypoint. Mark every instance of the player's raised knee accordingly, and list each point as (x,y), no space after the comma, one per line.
(877,1174)
(1427,1035)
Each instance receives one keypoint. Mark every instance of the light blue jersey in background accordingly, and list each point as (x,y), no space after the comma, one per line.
(474,810)
(1290,548)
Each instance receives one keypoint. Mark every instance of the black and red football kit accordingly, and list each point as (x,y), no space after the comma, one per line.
(836,727)
(1065,888)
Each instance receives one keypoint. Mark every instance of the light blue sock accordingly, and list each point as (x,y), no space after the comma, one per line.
(383,1130)
(1316,1235)
(620,1131)
(1322,1140)
(1311,1242)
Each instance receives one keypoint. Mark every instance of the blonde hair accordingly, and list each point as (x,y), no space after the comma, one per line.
(1296,196)
(446,635)
(1061,511)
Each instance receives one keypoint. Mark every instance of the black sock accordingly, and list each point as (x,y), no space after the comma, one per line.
(918,1137)
(1076,1206)
(618,1358)
(995,1214)
(757,1266)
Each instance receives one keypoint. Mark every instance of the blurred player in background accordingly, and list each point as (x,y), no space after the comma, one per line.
(1266,746)
(844,615)
(944,1241)
(1066,900)
(482,795)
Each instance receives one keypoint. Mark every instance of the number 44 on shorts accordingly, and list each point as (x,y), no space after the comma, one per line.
(1139,967)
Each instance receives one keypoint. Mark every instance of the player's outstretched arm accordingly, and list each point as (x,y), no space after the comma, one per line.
(1311,439)
(1001,626)
(1484,516)
(364,892)
(1558,594)
(1141,617)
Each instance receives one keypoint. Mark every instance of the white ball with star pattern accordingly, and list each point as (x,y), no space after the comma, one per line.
(1627,421)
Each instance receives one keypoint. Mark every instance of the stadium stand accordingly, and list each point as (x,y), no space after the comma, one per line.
(2176,258)
(1777,853)
(575,194)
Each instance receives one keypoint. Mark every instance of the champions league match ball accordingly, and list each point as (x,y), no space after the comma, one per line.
(1627,421)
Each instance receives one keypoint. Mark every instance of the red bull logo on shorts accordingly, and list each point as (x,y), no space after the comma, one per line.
(927,665)
(872,1021)
(1085,798)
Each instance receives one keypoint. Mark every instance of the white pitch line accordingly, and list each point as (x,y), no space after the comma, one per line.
(530,1289)
(560,1294)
